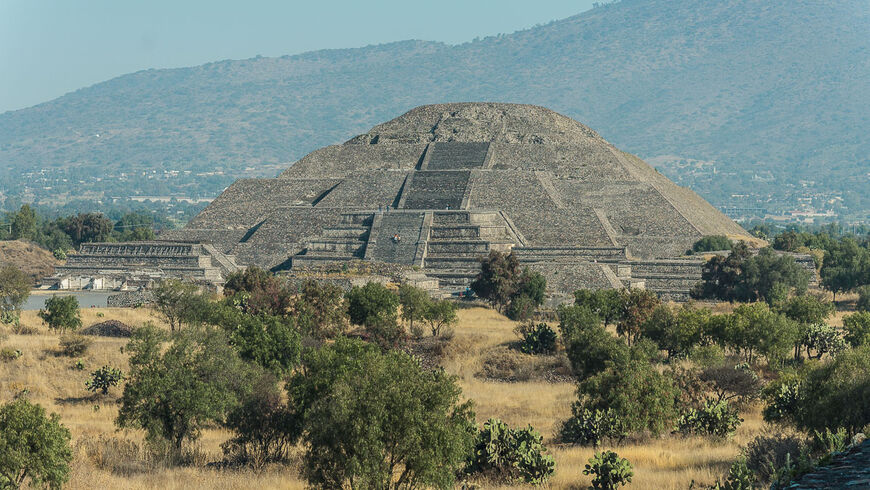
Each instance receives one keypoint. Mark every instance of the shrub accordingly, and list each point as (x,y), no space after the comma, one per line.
(537,339)
(739,477)
(61,313)
(823,339)
(372,303)
(767,453)
(378,419)
(783,401)
(857,326)
(14,291)
(441,317)
(834,394)
(644,398)
(715,418)
(72,345)
(104,378)
(863,303)
(263,426)
(174,391)
(609,471)
(34,449)
(22,329)
(712,243)
(320,311)
(592,427)
(505,454)
(588,345)
(707,355)
(520,308)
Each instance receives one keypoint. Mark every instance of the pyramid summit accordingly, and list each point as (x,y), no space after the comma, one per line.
(441,185)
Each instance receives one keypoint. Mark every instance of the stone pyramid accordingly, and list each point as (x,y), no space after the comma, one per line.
(441,185)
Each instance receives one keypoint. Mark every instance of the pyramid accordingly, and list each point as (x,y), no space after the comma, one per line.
(441,185)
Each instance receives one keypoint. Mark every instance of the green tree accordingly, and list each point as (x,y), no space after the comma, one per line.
(381,421)
(24,224)
(606,303)
(270,341)
(262,425)
(712,243)
(857,326)
(14,291)
(720,276)
(174,391)
(179,302)
(807,311)
(836,394)
(320,310)
(61,313)
(104,378)
(676,330)
(259,292)
(497,279)
(863,303)
(769,273)
(638,307)
(643,398)
(441,316)
(590,348)
(34,449)
(87,227)
(372,303)
(415,303)
(755,328)
(845,266)
(528,295)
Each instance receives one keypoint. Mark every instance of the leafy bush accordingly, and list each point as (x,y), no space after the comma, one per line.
(739,477)
(707,355)
(857,326)
(320,310)
(767,453)
(72,345)
(61,313)
(782,401)
(505,454)
(263,426)
(823,339)
(609,471)
(372,303)
(536,339)
(104,378)
(592,427)
(520,308)
(441,317)
(712,243)
(863,303)
(715,418)
(644,398)
(369,417)
(34,449)
(588,345)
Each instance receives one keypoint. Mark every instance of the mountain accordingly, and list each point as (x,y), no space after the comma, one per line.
(753,103)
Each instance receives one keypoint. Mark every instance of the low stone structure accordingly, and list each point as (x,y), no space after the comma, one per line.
(442,185)
(136,265)
(850,469)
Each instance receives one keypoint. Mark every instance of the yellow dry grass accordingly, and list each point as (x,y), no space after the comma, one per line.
(669,462)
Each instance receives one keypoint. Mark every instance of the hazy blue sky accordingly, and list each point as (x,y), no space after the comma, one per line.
(50,47)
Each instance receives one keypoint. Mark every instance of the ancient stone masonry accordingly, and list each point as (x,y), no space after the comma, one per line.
(442,185)
(134,265)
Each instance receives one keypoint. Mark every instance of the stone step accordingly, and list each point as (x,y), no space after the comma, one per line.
(337,245)
(346,232)
(452,262)
(442,247)
(356,219)
(315,260)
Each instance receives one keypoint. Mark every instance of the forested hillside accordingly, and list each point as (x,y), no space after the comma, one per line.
(763,99)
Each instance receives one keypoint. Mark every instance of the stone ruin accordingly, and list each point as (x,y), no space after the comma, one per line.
(442,185)
(136,265)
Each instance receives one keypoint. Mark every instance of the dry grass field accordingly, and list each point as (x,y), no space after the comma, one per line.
(54,382)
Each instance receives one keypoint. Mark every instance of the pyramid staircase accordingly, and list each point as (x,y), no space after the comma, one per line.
(345,241)
(458,240)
